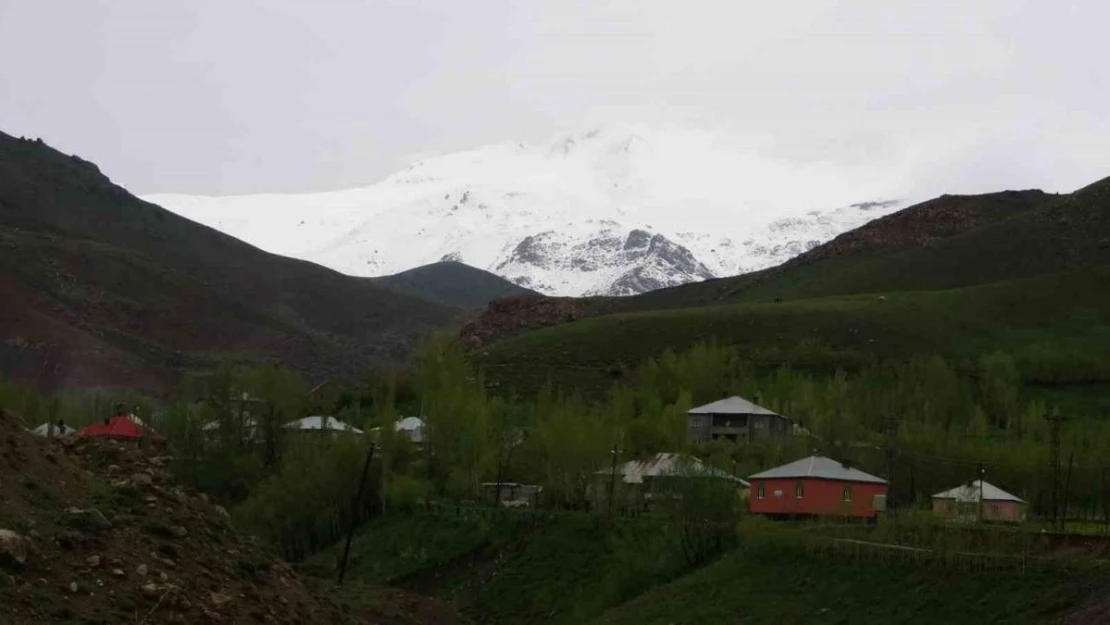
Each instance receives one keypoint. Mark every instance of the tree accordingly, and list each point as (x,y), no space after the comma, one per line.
(703,511)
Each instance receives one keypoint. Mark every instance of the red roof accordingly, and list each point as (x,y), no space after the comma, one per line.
(116,427)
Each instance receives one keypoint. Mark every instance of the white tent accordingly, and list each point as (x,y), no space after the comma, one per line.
(45,430)
(322,423)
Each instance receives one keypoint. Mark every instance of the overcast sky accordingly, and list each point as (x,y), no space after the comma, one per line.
(238,96)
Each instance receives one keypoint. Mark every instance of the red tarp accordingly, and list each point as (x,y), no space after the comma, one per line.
(116,427)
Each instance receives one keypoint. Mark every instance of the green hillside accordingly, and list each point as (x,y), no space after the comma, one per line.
(1049,322)
(451,284)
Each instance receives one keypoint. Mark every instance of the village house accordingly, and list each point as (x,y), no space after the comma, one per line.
(735,418)
(640,482)
(51,429)
(816,486)
(121,427)
(979,500)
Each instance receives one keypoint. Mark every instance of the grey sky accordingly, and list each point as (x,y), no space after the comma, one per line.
(236,96)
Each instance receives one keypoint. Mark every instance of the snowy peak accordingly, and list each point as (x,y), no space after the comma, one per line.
(611,211)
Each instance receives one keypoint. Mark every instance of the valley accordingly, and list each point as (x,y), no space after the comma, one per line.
(959,337)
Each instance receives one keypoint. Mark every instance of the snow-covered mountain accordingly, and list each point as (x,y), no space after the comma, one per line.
(613,212)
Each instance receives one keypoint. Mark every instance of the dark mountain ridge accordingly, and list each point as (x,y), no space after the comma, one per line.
(452,283)
(102,288)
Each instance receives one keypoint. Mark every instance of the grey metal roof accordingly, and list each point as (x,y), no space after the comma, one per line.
(732,405)
(664,464)
(818,467)
(970,492)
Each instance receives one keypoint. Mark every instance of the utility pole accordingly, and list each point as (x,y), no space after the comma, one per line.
(891,445)
(612,481)
(982,473)
(354,512)
(1054,463)
(1067,491)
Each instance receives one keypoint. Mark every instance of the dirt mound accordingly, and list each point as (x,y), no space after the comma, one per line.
(95,532)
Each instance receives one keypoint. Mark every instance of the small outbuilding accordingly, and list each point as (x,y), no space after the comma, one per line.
(817,486)
(979,500)
(640,481)
(322,424)
(413,427)
(735,418)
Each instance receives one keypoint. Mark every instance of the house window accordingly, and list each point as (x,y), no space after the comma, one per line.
(847,493)
(799,490)
(759,492)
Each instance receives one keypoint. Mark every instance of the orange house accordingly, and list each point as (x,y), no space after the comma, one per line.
(816,486)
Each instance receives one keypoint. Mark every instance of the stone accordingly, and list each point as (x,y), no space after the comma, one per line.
(150,588)
(179,531)
(163,577)
(114,469)
(219,599)
(222,512)
(93,561)
(90,520)
(70,539)
(118,572)
(141,480)
(73,586)
(142,570)
(13,549)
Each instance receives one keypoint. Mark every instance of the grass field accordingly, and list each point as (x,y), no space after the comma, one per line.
(1049,323)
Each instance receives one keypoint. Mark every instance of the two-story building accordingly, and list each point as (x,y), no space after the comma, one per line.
(735,418)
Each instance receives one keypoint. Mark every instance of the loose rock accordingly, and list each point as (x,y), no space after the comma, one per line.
(89,520)
(141,570)
(13,549)
(219,599)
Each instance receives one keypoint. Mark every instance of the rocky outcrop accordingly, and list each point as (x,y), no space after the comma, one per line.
(515,315)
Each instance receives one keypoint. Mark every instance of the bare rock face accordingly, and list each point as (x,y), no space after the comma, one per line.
(13,549)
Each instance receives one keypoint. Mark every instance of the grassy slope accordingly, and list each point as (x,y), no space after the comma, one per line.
(505,571)
(576,569)
(950,242)
(1072,308)
(452,284)
(782,587)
